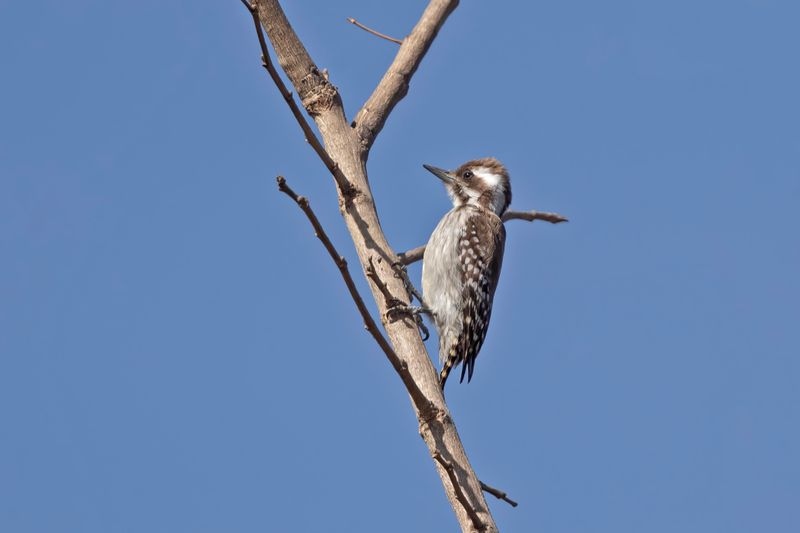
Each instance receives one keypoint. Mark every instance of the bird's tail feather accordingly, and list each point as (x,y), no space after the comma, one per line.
(449,362)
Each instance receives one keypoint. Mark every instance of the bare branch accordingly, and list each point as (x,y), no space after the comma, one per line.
(311,137)
(499,494)
(530,216)
(473,516)
(411,256)
(415,254)
(369,323)
(412,362)
(367,29)
(393,87)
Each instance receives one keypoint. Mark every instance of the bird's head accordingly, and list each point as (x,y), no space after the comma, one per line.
(480,183)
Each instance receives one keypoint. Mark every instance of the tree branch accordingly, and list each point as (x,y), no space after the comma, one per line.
(411,256)
(393,87)
(415,254)
(323,103)
(530,216)
(367,29)
(310,136)
(369,323)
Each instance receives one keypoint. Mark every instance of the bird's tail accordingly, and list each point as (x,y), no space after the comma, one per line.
(449,361)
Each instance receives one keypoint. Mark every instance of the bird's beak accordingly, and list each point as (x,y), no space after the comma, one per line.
(442,174)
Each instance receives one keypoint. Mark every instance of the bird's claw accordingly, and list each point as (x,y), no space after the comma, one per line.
(394,313)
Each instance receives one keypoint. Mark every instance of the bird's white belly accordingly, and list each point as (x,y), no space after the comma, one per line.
(442,284)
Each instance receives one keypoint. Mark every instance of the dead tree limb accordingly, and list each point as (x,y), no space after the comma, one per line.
(530,216)
(345,151)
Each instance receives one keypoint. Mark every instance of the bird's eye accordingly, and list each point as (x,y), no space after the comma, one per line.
(467,175)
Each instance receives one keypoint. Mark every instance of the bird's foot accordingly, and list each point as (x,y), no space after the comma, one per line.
(409,310)
(400,310)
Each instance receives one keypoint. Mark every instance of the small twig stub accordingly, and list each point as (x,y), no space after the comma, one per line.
(497,493)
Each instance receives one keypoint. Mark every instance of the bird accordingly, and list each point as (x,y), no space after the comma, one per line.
(463,258)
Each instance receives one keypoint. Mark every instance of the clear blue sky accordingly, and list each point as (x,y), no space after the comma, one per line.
(178,354)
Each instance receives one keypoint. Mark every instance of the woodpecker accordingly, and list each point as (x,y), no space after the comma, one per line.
(462,260)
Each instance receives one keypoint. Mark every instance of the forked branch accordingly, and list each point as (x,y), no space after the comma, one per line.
(393,87)
(311,137)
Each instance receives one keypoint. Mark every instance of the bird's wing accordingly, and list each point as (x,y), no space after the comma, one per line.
(481,258)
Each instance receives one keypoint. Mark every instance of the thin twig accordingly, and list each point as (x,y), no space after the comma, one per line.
(367,29)
(497,493)
(399,365)
(311,137)
(415,254)
(451,473)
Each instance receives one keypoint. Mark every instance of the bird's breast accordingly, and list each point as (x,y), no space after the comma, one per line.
(442,283)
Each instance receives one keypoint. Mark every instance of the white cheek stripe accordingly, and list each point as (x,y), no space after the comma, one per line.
(493,180)
(490,178)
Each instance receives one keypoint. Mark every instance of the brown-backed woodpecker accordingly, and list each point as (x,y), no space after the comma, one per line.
(462,260)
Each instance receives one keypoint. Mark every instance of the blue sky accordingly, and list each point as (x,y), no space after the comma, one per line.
(177,353)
